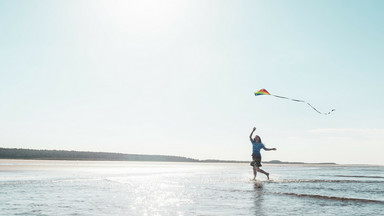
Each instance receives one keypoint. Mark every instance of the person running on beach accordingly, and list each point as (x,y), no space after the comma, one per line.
(257,145)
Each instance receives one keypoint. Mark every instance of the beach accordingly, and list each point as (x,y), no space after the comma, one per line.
(40,187)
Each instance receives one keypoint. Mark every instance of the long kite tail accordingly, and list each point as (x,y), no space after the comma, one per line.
(327,113)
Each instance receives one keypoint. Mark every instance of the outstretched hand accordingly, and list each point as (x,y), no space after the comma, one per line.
(254,128)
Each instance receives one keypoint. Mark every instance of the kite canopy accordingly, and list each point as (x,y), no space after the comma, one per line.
(265,92)
(262,92)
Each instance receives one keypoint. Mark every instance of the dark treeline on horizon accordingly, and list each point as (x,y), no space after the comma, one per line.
(13,153)
(32,154)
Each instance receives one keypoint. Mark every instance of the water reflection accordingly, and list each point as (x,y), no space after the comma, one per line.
(258,198)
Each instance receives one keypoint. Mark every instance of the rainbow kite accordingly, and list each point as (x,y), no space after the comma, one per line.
(265,92)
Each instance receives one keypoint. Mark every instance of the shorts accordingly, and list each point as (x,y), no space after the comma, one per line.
(256,161)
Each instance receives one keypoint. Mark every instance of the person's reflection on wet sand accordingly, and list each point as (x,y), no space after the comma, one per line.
(258,202)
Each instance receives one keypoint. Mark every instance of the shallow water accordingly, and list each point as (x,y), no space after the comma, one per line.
(155,188)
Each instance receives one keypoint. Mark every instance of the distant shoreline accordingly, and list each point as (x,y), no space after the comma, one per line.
(33,154)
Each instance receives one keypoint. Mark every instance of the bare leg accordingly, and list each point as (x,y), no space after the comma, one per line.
(254,173)
(262,171)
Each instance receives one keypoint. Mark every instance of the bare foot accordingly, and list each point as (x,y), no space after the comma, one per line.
(267,176)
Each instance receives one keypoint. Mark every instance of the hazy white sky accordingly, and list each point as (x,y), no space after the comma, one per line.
(177,77)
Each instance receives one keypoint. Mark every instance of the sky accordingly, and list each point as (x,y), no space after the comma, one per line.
(177,77)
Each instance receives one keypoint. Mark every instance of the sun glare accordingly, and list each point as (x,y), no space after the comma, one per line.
(144,15)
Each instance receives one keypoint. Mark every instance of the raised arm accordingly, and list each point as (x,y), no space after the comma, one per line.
(250,136)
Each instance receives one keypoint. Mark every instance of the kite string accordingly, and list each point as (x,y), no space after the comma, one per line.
(304,102)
